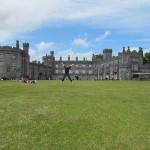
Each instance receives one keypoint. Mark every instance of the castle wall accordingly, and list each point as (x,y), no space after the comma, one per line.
(15,63)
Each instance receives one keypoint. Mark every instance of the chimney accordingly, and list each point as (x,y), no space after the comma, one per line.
(68,57)
(17,44)
(128,47)
(77,58)
(123,49)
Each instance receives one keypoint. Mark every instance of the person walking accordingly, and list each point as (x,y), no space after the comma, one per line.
(67,68)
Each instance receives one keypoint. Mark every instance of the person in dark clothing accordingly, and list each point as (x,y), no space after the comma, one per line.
(77,78)
(67,68)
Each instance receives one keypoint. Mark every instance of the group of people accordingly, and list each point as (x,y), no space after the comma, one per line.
(26,80)
(67,68)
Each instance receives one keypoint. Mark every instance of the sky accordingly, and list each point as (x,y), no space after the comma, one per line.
(75,27)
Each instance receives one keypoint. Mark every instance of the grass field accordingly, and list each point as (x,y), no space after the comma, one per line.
(83,115)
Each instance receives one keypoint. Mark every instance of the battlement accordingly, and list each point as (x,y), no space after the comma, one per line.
(107,51)
(100,56)
(128,51)
(25,44)
(9,48)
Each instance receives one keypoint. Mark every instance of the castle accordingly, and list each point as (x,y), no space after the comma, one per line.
(128,65)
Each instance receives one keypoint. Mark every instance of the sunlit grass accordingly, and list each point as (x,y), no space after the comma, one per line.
(83,115)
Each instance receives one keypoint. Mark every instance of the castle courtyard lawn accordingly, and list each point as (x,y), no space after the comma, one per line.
(83,115)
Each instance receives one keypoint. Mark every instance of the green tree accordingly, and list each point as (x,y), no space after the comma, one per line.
(146,58)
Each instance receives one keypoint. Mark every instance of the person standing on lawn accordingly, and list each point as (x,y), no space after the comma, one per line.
(67,68)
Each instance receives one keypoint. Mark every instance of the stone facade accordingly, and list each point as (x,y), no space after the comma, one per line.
(128,65)
(14,62)
(83,69)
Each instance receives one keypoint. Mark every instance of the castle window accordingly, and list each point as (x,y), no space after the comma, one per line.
(90,71)
(8,69)
(135,67)
(1,58)
(13,64)
(126,60)
(13,57)
(77,71)
(83,71)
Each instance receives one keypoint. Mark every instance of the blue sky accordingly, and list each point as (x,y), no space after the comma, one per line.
(75,27)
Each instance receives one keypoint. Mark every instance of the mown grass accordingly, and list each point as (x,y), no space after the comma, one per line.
(85,115)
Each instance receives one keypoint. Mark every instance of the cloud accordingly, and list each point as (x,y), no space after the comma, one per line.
(143,40)
(32,52)
(23,16)
(64,54)
(4,35)
(42,46)
(104,36)
(80,42)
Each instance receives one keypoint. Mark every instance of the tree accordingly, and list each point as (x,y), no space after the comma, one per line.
(146,58)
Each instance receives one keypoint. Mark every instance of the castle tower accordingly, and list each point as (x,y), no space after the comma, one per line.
(141,50)
(52,53)
(25,46)
(107,54)
(68,57)
(25,60)
(52,58)
(77,58)
(17,44)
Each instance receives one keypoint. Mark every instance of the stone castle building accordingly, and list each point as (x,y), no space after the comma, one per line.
(15,63)
(128,65)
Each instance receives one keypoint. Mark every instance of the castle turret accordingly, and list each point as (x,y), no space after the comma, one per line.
(107,54)
(68,57)
(77,58)
(128,48)
(52,58)
(141,50)
(26,59)
(26,46)
(52,53)
(17,44)
(123,49)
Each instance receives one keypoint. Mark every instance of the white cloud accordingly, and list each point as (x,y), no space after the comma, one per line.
(44,46)
(104,36)
(21,16)
(69,52)
(4,35)
(80,42)
(32,52)
(143,40)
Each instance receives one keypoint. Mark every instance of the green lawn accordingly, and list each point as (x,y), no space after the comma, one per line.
(83,115)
